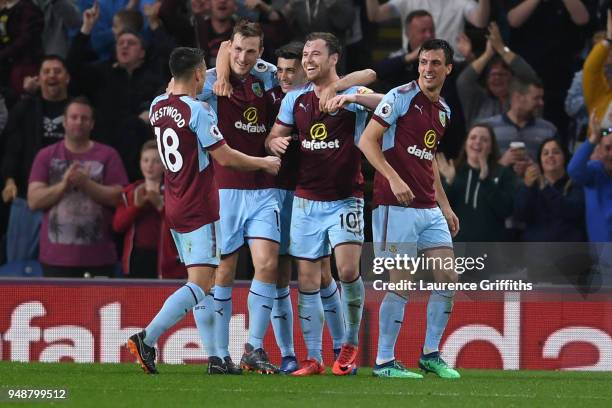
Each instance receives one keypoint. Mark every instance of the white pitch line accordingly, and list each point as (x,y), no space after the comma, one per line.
(410,393)
(366,393)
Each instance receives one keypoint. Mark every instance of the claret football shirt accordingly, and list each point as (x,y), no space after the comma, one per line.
(415,127)
(186,129)
(329,160)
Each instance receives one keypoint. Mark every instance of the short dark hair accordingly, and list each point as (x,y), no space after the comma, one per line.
(521,85)
(438,44)
(53,57)
(131,19)
(331,41)
(248,29)
(137,34)
(81,100)
(416,13)
(185,60)
(293,50)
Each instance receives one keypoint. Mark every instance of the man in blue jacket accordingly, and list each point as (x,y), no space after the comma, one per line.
(596,177)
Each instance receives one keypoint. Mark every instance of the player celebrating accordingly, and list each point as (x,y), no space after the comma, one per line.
(249,203)
(411,120)
(328,207)
(187,136)
(290,74)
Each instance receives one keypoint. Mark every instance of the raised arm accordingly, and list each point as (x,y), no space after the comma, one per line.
(222,86)
(521,13)
(378,13)
(594,83)
(577,11)
(356,78)
(479,17)
(578,167)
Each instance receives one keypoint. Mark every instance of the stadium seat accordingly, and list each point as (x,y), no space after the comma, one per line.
(24,269)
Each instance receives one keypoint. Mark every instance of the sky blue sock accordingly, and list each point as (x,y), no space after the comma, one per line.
(353,298)
(223,315)
(439,307)
(204,316)
(334,316)
(390,319)
(260,302)
(310,312)
(282,321)
(174,309)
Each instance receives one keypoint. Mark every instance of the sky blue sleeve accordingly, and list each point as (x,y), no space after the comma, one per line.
(392,106)
(355,107)
(285,114)
(265,72)
(204,124)
(207,91)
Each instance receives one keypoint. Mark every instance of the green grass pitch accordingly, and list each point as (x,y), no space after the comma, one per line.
(124,385)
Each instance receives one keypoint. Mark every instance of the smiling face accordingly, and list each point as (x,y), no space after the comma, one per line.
(433,70)
(244,52)
(317,63)
(551,158)
(289,73)
(150,165)
(477,143)
(54,80)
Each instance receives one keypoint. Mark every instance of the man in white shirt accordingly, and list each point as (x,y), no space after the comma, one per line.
(449,16)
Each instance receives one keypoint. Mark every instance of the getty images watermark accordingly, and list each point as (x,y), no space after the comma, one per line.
(458,264)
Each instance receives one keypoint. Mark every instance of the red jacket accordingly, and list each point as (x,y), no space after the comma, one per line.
(125,221)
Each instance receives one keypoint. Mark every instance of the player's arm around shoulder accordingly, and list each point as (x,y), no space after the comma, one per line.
(207,91)
(228,157)
(222,85)
(266,73)
(354,98)
(356,78)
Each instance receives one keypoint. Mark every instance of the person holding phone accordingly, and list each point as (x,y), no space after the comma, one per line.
(548,201)
(520,130)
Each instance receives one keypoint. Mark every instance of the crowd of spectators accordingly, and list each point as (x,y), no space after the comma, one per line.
(527,156)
